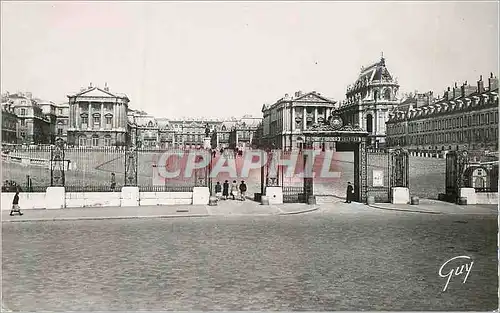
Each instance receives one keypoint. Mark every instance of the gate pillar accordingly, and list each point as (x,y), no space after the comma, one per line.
(57,175)
(361,171)
(131,166)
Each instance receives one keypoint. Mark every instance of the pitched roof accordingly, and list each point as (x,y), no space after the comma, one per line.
(98,93)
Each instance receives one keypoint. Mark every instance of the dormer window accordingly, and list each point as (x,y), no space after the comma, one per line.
(150,124)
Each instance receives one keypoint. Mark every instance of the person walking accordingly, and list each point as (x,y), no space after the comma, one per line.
(218,191)
(349,193)
(113,182)
(15,205)
(234,189)
(243,190)
(225,190)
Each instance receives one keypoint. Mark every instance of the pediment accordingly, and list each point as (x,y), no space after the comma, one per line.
(313,98)
(96,93)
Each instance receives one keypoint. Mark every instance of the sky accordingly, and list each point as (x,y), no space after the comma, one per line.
(223,59)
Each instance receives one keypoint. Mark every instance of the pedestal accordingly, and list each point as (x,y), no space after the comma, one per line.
(201,195)
(55,198)
(207,143)
(469,194)
(275,195)
(400,195)
(130,196)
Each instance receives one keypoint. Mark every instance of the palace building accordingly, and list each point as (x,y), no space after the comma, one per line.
(466,117)
(286,119)
(97,117)
(369,101)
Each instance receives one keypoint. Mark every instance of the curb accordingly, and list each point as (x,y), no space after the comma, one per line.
(102,218)
(404,210)
(300,212)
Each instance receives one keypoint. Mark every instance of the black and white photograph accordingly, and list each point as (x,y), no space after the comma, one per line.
(249,155)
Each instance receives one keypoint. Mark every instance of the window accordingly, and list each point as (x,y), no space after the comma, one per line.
(107,141)
(60,111)
(59,132)
(95,141)
(109,121)
(496,117)
(23,111)
(23,122)
(82,141)
(97,120)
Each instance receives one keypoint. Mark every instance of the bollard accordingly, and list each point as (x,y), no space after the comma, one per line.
(370,200)
(415,200)
(212,201)
(265,200)
(311,200)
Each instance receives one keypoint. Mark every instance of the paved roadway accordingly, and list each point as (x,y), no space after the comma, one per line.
(342,257)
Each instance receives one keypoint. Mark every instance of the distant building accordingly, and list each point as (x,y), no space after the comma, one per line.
(62,122)
(286,119)
(369,101)
(9,124)
(242,135)
(97,117)
(33,126)
(465,117)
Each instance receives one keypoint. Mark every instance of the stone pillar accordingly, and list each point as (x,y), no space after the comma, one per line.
(77,115)
(114,116)
(315,115)
(236,135)
(293,119)
(304,115)
(102,116)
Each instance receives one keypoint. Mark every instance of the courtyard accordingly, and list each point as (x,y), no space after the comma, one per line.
(343,258)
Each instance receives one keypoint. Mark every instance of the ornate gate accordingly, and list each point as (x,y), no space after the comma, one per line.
(57,162)
(385,170)
(456,164)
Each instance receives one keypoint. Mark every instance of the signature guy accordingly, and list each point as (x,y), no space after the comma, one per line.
(459,270)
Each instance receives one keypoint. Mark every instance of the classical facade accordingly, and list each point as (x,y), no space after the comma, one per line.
(284,121)
(97,117)
(369,101)
(242,135)
(9,124)
(33,127)
(466,117)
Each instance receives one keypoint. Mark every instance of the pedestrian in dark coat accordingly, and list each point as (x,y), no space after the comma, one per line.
(349,193)
(15,205)
(218,191)
(225,190)
(243,190)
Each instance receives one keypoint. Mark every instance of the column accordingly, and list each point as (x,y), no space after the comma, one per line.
(114,116)
(304,115)
(102,116)
(77,115)
(293,119)
(315,115)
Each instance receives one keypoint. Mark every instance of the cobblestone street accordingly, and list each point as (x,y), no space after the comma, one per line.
(349,259)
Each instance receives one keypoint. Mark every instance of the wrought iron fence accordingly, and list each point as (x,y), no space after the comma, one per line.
(294,194)
(31,169)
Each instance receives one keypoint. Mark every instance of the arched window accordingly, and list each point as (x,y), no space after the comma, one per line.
(150,124)
(375,95)
(387,94)
(369,123)
(95,140)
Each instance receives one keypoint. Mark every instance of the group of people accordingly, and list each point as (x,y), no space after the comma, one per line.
(225,191)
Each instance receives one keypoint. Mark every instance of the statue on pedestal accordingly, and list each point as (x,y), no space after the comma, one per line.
(207,130)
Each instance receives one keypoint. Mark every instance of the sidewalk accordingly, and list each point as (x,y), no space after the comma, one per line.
(438,207)
(224,208)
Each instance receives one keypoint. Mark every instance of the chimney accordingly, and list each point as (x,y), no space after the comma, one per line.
(480,84)
(90,85)
(106,88)
(456,92)
(492,82)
